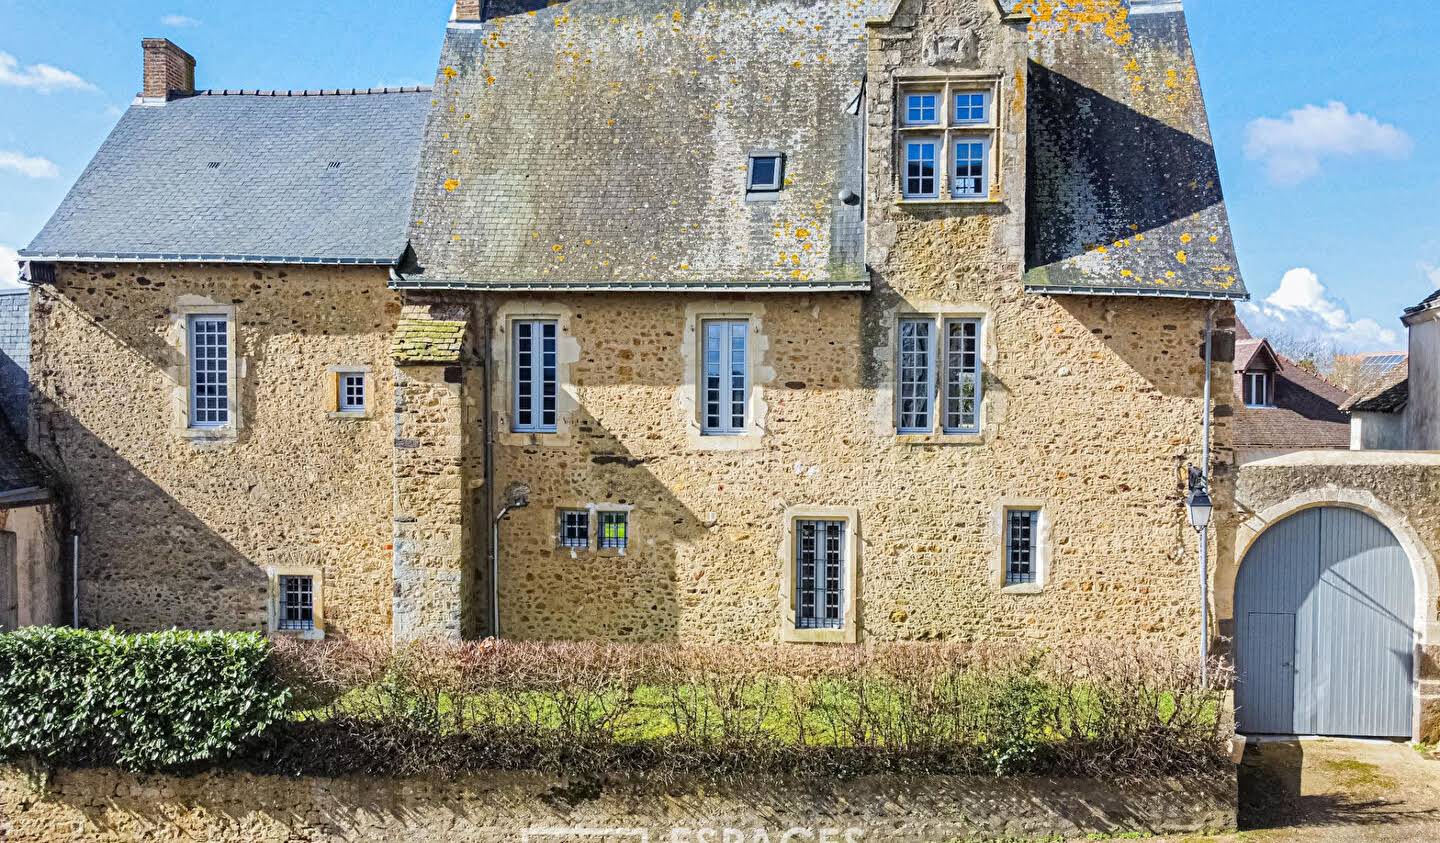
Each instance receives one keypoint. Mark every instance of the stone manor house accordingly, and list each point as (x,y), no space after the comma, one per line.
(807,321)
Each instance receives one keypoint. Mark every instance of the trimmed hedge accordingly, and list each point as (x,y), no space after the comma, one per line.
(141,702)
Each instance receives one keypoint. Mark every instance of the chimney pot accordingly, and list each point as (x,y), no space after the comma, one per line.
(467,10)
(169,70)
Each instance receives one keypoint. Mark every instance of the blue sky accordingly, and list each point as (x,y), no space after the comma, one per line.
(1326,122)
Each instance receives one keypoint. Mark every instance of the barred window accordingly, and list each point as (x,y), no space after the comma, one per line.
(726,376)
(1020,545)
(536,376)
(575,528)
(297,604)
(962,376)
(614,530)
(820,574)
(915,366)
(351,392)
(209,340)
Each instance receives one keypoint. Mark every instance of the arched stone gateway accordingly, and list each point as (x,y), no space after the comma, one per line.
(1325,628)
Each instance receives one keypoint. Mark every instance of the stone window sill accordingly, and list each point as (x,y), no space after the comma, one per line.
(349,414)
(987,204)
(1023,588)
(791,635)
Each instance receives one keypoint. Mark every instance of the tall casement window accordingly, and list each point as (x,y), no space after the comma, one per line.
(820,574)
(1257,389)
(209,346)
(958,388)
(917,362)
(947,131)
(725,384)
(536,378)
(1021,557)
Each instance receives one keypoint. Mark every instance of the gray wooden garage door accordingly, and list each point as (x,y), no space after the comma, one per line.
(1324,629)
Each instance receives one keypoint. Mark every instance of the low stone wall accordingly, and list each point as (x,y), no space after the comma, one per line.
(106,806)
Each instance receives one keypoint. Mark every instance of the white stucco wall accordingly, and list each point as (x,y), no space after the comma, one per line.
(1377,432)
(1422,414)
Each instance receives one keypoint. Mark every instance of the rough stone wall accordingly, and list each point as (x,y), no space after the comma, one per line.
(1092,410)
(177,530)
(1399,489)
(112,807)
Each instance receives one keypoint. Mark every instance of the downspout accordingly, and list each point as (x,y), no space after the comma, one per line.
(1205,473)
(487,379)
(74,577)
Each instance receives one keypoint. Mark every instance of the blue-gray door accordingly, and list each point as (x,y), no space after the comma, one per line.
(1324,629)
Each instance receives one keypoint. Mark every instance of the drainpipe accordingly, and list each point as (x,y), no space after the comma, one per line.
(487,413)
(74,578)
(1205,473)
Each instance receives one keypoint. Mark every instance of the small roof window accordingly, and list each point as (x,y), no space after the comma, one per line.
(766,174)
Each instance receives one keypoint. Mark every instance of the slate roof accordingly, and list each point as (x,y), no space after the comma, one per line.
(1388,394)
(600,144)
(1430,301)
(1124,190)
(248,176)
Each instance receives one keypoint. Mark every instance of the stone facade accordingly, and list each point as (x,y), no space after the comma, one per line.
(180,529)
(113,807)
(1091,409)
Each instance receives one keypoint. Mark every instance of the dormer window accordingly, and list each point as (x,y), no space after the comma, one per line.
(1257,389)
(947,131)
(765,175)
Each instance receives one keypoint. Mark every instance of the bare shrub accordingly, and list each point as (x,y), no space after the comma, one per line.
(582,708)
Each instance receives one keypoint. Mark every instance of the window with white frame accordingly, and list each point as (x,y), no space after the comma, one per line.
(1022,527)
(962,112)
(614,529)
(296,612)
(820,574)
(1257,389)
(350,392)
(535,375)
(209,353)
(575,528)
(956,358)
(725,386)
(916,390)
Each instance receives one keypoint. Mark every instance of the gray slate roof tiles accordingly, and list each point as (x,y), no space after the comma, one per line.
(603,143)
(254,176)
(1124,190)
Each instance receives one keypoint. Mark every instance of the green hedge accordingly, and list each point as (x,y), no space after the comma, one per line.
(142,702)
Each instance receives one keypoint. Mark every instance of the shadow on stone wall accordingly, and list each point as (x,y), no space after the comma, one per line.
(550,592)
(235,807)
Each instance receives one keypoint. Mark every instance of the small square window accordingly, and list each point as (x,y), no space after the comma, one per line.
(575,528)
(350,392)
(297,604)
(971,108)
(766,174)
(922,109)
(1021,526)
(614,530)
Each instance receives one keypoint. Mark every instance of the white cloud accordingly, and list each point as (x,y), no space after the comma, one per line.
(40,77)
(1432,271)
(1301,309)
(9,267)
(179,22)
(1294,146)
(25,165)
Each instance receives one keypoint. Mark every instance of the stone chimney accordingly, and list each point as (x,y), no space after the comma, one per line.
(169,70)
(467,10)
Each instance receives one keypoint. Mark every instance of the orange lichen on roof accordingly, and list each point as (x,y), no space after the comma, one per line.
(1066,16)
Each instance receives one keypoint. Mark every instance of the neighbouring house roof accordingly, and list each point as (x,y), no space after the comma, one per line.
(603,144)
(1247,350)
(22,481)
(248,176)
(1307,411)
(1388,394)
(1124,190)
